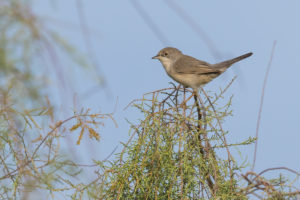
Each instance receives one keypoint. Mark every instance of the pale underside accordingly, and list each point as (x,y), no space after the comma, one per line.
(190,72)
(192,80)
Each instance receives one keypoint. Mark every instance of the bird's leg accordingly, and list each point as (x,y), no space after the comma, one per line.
(195,94)
(184,103)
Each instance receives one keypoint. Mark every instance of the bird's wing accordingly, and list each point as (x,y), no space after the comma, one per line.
(190,65)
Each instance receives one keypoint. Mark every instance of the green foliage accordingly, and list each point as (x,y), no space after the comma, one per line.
(179,151)
(174,154)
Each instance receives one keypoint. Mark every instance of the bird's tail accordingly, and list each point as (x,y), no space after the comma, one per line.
(225,64)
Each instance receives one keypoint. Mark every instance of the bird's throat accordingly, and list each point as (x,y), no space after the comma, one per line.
(167,64)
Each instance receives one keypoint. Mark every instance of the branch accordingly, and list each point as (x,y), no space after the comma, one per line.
(261,104)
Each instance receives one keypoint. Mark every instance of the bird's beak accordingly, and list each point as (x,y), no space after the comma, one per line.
(155,57)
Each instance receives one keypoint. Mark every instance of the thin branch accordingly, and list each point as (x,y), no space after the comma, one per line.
(57,125)
(278,168)
(195,27)
(221,128)
(147,19)
(89,47)
(222,91)
(261,104)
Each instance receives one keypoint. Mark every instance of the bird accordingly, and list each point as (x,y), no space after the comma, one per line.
(191,72)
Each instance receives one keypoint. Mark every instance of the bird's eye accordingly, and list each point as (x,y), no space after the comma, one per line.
(165,54)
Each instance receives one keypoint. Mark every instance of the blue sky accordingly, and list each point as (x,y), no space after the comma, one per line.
(123,46)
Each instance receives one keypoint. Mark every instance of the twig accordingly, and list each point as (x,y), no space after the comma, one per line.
(278,168)
(147,19)
(58,124)
(207,148)
(220,126)
(259,183)
(224,90)
(175,89)
(195,27)
(261,104)
(89,47)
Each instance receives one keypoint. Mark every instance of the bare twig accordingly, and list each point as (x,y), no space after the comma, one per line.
(257,183)
(222,91)
(279,168)
(57,125)
(195,27)
(147,19)
(220,126)
(261,104)
(89,47)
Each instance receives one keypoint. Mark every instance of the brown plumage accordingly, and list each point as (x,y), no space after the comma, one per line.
(190,71)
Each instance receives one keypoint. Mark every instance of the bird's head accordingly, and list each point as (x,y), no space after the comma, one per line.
(168,54)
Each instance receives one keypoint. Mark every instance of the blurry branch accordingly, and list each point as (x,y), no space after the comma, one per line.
(195,27)
(258,183)
(89,47)
(25,37)
(70,25)
(32,159)
(149,22)
(279,168)
(261,105)
(79,117)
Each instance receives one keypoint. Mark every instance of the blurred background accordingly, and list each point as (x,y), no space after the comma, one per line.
(120,37)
